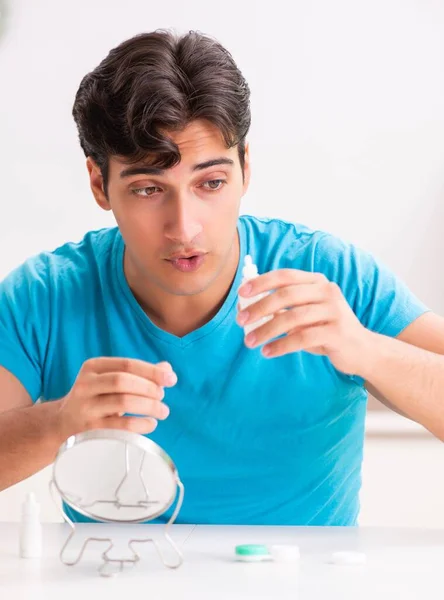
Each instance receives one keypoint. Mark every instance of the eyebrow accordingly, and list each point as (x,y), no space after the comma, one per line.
(145,170)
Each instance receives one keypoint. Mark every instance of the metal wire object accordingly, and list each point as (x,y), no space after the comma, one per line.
(112,566)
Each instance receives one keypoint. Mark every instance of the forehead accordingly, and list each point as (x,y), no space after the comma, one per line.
(197,142)
(199,136)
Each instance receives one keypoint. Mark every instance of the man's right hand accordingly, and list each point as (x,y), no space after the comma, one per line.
(107,388)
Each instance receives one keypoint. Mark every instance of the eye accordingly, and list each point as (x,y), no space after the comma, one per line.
(214,184)
(146,191)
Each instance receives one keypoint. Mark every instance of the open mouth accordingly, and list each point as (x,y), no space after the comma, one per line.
(188,264)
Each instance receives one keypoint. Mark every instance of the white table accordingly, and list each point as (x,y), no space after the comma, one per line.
(401,563)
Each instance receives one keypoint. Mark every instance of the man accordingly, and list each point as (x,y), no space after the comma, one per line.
(142,319)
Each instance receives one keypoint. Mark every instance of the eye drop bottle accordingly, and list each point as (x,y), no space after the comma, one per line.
(30,528)
(249,272)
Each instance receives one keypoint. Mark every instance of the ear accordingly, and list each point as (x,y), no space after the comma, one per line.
(247,169)
(97,184)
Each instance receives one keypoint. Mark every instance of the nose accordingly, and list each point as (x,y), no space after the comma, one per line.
(182,225)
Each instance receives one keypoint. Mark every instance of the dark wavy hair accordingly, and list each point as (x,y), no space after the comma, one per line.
(155,83)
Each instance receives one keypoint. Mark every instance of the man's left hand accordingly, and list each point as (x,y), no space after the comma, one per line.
(312,314)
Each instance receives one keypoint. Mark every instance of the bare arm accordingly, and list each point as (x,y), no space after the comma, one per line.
(409,371)
(29,435)
(105,389)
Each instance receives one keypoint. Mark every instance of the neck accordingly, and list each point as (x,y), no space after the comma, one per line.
(181,315)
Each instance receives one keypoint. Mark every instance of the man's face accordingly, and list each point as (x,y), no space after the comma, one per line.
(179,225)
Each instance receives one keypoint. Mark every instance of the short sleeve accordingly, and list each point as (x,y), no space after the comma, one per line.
(24,319)
(381,301)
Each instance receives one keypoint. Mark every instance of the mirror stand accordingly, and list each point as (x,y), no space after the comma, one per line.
(106,569)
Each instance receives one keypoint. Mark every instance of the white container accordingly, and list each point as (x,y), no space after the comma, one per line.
(285,553)
(30,528)
(249,272)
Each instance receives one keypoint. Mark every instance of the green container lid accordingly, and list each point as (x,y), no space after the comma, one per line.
(252,550)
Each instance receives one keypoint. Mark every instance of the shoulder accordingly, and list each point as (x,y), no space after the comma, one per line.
(72,260)
(275,243)
(94,247)
(276,229)
(278,244)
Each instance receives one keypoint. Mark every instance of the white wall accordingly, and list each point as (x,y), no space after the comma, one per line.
(348,117)
(347,135)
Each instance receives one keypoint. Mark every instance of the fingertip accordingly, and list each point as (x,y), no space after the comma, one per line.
(245,289)
(152,425)
(170,379)
(141,425)
(165,365)
(164,411)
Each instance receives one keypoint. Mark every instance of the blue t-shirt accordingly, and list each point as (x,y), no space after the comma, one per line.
(255,441)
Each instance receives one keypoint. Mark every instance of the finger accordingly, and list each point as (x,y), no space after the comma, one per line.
(284,323)
(135,424)
(282,298)
(112,404)
(279,278)
(164,365)
(126,383)
(304,339)
(159,373)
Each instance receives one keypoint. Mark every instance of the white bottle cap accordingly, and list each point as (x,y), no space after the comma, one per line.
(250,270)
(285,552)
(30,505)
(349,559)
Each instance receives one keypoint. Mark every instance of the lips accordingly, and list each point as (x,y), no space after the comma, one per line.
(187,263)
(189,254)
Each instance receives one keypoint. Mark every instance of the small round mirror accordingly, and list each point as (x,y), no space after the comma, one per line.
(115,476)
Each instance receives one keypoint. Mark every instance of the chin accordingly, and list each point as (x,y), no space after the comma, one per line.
(186,290)
(194,285)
